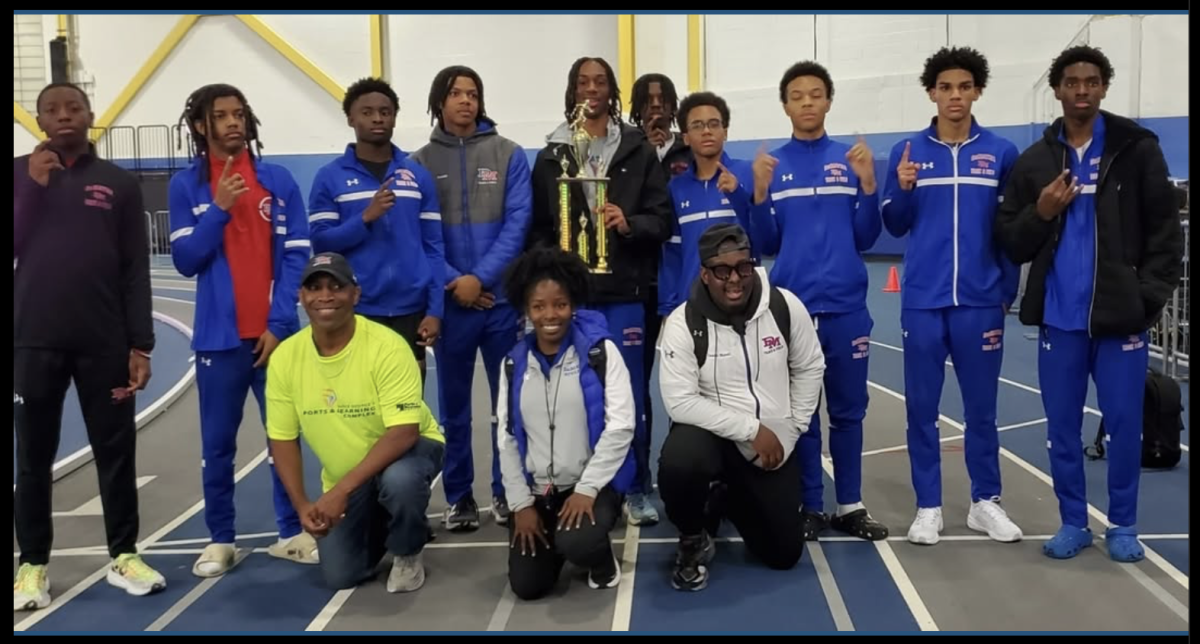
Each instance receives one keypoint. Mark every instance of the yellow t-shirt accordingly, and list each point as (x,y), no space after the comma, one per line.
(344,404)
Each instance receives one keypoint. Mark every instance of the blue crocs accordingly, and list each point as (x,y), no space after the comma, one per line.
(1069,542)
(1123,545)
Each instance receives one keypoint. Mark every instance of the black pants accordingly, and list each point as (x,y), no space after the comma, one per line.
(40,381)
(532,577)
(407,327)
(763,506)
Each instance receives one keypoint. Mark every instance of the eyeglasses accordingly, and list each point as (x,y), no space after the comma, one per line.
(724,271)
(712,124)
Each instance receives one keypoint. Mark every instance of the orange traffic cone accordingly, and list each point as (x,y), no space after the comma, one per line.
(893,283)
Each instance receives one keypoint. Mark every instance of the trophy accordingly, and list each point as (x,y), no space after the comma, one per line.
(585,176)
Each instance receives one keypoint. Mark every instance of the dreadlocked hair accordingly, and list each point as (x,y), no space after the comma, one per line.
(542,263)
(614,93)
(641,97)
(199,107)
(444,82)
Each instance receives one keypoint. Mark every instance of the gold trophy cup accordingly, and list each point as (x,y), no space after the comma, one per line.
(580,142)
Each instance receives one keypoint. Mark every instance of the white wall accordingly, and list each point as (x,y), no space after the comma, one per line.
(523,61)
(875,62)
(297,115)
(1164,67)
(662,47)
(23,141)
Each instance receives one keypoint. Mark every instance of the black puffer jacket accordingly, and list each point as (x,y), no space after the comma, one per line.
(1139,240)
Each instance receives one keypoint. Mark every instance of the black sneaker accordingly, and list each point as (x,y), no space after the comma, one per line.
(607,575)
(500,510)
(462,516)
(812,523)
(861,525)
(691,562)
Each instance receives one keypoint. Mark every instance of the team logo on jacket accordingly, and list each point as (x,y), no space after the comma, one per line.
(330,397)
(406,178)
(861,346)
(98,196)
(983,165)
(633,336)
(1135,342)
(836,173)
(678,168)
(488,177)
(264,209)
(992,340)
(771,344)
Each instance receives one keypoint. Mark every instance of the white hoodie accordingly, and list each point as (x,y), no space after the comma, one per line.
(746,380)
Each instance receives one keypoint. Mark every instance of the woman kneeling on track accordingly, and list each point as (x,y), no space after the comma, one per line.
(565,419)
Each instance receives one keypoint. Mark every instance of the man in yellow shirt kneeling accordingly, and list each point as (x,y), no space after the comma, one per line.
(352,388)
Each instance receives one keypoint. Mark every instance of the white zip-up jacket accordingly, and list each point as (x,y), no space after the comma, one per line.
(748,379)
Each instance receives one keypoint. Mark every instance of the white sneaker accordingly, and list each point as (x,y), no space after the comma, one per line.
(407,575)
(31,589)
(989,517)
(927,527)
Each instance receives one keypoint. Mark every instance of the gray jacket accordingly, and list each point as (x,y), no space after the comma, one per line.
(483,187)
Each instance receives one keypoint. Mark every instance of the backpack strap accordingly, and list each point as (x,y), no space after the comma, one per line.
(698,326)
(782,314)
(598,360)
(509,366)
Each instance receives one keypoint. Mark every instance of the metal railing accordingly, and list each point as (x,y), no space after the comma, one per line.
(1170,340)
(158,229)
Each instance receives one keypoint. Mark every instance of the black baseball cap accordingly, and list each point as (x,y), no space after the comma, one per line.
(332,264)
(712,239)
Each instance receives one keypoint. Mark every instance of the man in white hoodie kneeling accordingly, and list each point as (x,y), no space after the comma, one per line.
(740,371)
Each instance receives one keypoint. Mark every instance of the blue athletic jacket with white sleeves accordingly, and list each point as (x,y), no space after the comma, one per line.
(399,259)
(198,250)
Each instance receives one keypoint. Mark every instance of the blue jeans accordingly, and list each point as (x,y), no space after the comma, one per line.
(385,515)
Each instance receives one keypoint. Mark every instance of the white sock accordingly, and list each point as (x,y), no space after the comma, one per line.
(843,510)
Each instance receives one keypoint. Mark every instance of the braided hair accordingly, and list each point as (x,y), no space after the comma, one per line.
(199,107)
(641,97)
(614,91)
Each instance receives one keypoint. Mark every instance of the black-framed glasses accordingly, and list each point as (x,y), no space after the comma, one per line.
(711,124)
(723,272)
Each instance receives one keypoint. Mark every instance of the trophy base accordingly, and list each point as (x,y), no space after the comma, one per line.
(600,270)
